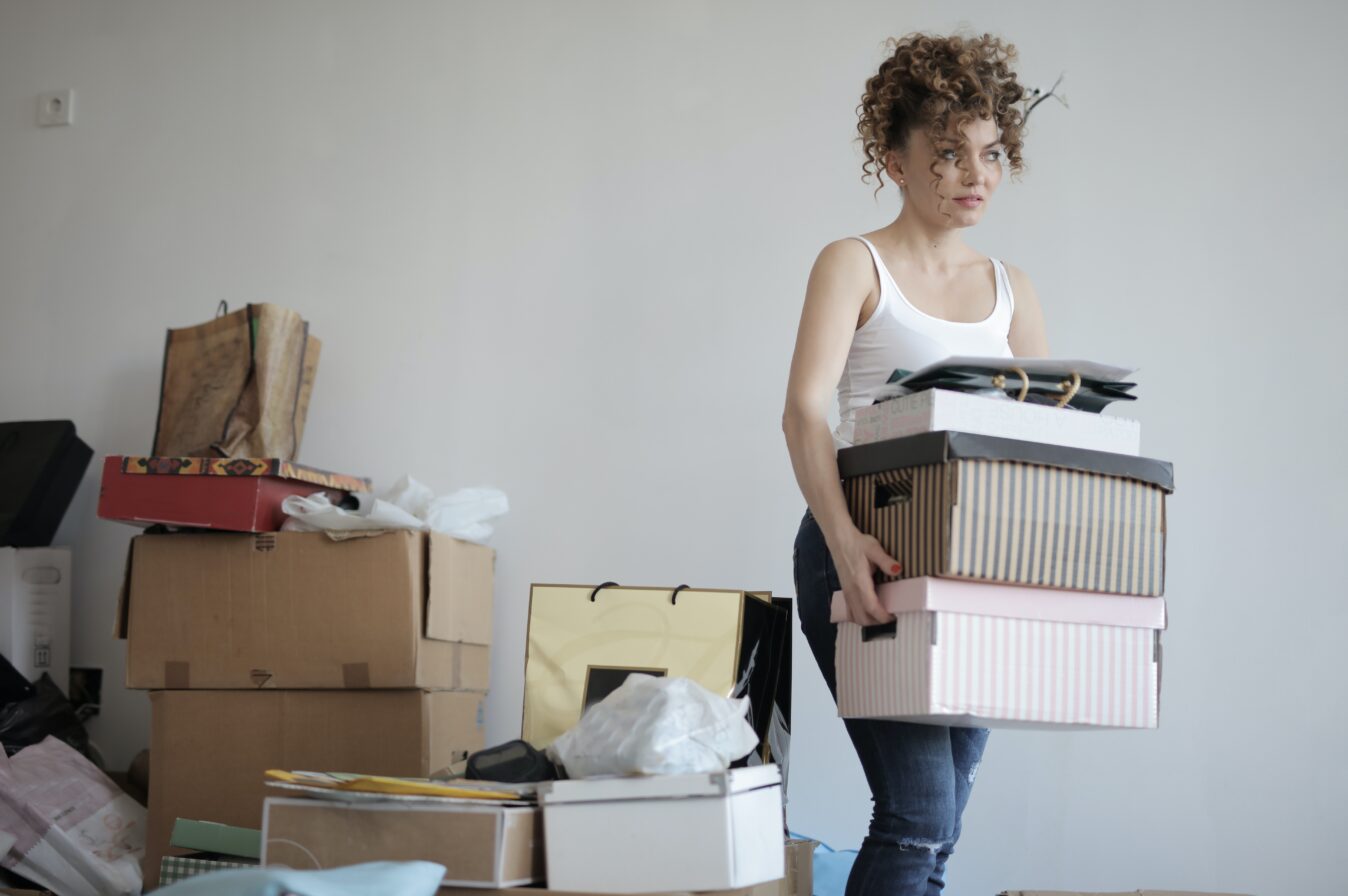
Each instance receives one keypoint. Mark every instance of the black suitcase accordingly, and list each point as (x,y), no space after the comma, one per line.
(41,465)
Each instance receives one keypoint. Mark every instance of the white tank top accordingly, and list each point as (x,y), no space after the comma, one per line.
(899,336)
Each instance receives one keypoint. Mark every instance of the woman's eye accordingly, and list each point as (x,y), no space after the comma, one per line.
(995,155)
(948,154)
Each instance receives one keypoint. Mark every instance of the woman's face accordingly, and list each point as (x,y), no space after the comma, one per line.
(955,190)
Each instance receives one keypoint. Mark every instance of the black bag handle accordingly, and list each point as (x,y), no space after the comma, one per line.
(598,588)
(673,595)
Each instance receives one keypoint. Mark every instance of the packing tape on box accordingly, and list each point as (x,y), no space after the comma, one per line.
(177,675)
(355,675)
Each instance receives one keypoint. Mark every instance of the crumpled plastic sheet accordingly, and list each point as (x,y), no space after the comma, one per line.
(656,726)
(407,504)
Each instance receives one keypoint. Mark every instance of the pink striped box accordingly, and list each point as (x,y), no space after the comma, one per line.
(1002,656)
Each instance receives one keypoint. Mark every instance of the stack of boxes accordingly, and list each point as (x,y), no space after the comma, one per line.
(291,650)
(1033,569)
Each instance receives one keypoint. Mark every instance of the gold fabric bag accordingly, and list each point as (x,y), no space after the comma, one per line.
(585,640)
(237,386)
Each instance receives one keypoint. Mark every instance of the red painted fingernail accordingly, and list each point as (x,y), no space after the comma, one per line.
(895,568)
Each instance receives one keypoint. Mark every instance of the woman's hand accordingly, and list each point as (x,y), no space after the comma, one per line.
(856,556)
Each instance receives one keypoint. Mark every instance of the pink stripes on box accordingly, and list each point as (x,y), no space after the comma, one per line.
(960,668)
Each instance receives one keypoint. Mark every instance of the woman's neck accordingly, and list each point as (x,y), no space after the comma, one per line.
(930,248)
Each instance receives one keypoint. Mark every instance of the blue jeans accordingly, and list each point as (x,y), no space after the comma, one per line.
(920,775)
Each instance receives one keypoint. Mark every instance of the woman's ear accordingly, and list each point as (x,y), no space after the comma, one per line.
(894,167)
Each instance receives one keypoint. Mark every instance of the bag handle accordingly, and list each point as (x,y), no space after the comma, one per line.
(673,595)
(601,587)
(1069,387)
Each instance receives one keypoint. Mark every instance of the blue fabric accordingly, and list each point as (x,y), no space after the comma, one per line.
(370,879)
(920,776)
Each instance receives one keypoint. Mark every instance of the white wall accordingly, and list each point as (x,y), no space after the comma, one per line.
(560,248)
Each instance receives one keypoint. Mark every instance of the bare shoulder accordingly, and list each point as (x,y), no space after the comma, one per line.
(1027,337)
(844,272)
(846,254)
(1021,286)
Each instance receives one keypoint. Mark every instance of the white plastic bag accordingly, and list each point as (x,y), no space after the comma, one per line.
(407,504)
(656,726)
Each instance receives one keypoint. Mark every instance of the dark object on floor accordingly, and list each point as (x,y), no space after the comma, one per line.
(13,685)
(47,712)
(513,762)
(41,465)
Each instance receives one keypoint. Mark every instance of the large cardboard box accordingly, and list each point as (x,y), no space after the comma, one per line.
(233,494)
(210,749)
(299,610)
(977,507)
(584,641)
(664,833)
(933,410)
(962,653)
(35,612)
(480,844)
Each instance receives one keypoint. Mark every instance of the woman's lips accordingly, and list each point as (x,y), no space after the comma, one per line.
(970,201)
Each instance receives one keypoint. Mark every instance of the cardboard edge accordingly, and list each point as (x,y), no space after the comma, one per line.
(120,622)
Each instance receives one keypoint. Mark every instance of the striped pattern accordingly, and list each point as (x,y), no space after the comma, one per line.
(907,510)
(963,669)
(1020,523)
(175,868)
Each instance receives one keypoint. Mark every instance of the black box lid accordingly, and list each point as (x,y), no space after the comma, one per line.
(947,445)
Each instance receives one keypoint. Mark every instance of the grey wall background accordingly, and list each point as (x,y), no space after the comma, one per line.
(560,248)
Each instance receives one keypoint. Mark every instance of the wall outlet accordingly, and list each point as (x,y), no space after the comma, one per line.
(56,108)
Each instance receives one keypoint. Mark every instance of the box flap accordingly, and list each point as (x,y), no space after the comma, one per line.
(1012,602)
(459,577)
(645,787)
(940,447)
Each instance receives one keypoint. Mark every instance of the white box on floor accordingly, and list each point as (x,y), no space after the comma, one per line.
(1002,656)
(35,612)
(933,410)
(664,833)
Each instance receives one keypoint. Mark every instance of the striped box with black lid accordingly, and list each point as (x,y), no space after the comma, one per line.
(978,507)
(1057,620)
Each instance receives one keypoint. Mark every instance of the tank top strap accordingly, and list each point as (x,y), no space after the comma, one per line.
(882,279)
(1004,293)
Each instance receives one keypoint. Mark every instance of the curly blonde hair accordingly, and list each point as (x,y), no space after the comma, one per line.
(930,81)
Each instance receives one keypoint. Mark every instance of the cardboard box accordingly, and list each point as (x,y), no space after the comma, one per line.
(299,610)
(210,749)
(977,507)
(480,844)
(799,879)
(933,410)
(233,494)
(35,612)
(961,653)
(662,833)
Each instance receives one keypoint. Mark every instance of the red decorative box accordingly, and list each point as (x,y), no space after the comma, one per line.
(236,494)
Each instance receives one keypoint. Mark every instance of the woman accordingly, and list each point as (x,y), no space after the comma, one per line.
(941,118)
